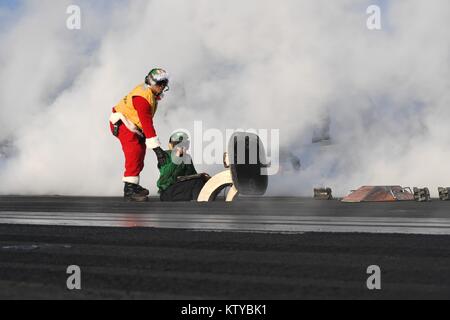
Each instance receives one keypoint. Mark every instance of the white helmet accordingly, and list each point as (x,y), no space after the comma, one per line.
(158,77)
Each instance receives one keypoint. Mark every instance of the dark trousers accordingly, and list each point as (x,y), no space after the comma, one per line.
(183,191)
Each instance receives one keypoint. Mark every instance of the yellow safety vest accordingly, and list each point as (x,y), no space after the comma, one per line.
(126,107)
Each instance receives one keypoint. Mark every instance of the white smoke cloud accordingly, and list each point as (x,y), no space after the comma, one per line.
(235,64)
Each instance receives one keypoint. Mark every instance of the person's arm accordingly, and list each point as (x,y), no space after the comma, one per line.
(168,174)
(143,109)
(190,169)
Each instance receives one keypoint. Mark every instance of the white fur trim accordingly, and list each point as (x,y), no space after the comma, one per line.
(153,143)
(117,116)
(134,180)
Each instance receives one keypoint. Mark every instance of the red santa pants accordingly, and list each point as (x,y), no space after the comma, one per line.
(134,149)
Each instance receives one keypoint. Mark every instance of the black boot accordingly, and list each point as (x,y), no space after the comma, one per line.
(134,192)
(142,191)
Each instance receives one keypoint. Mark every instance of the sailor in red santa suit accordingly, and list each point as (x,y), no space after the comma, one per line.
(132,123)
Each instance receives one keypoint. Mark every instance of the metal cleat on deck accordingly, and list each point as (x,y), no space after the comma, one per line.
(323,194)
(422,194)
(444,194)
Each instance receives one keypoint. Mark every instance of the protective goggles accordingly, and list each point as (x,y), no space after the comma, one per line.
(164,84)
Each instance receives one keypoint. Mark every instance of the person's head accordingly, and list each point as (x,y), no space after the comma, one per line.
(179,139)
(158,81)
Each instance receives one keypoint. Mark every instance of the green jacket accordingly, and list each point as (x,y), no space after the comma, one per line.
(170,171)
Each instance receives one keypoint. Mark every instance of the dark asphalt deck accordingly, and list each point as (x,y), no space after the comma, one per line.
(248,214)
(254,206)
(156,263)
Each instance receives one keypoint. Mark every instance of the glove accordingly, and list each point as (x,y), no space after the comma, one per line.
(161,156)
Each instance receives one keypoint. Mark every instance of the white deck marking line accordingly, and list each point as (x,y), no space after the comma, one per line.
(239,223)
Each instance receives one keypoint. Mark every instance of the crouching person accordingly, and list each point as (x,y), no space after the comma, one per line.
(179,180)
